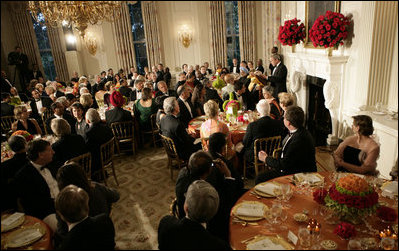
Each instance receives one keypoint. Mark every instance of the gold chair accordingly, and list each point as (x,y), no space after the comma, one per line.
(107,156)
(170,149)
(270,145)
(124,132)
(85,161)
(6,122)
(154,129)
(45,115)
(173,210)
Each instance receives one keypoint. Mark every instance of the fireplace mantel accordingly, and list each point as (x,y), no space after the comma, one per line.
(332,69)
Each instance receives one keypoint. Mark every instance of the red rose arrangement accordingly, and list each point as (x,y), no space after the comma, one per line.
(345,230)
(352,196)
(387,213)
(26,135)
(319,196)
(329,30)
(291,32)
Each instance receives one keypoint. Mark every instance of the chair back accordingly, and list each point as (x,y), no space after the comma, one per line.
(170,147)
(85,161)
(154,129)
(154,126)
(123,132)
(269,145)
(107,157)
(6,122)
(47,113)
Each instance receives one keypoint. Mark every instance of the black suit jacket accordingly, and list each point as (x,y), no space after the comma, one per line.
(159,77)
(69,118)
(261,128)
(213,94)
(117,114)
(185,115)
(133,95)
(5,86)
(68,147)
(299,154)
(237,69)
(173,128)
(248,103)
(34,192)
(59,94)
(171,93)
(7,109)
(185,234)
(94,233)
(260,68)
(46,102)
(278,79)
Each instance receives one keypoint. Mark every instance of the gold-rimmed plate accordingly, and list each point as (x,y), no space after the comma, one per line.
(263,194)
(249,218)
(298,179)
(274,242)
(25,236)
(15,223)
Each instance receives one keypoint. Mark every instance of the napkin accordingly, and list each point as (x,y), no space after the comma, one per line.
(265,244)
(267,188)
(390,189)
(10,220)
(250,210)
(311,178)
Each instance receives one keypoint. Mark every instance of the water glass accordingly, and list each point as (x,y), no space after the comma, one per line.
(283,217)
(387,243)
(287,194)
(305,237)
(278,191)
(276,212)
(354,244)
(378,107)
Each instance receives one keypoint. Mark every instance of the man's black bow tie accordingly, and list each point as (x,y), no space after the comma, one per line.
(290,134)
(37,100)
(139,91)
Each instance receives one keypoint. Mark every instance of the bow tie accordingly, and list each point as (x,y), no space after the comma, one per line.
(37,100)
(139,91)
(290,134)
(41,168)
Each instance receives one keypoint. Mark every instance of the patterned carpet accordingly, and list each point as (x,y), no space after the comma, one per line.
(146,191)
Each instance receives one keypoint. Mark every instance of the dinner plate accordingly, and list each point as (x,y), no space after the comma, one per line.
(248,218)
(297,181)
(25,236)
(274,242)
(14,224)
(266,195)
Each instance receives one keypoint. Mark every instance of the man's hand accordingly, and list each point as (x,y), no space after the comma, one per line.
(262,155)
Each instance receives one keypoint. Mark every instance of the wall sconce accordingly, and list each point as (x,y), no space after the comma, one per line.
(185,36)
(91,43)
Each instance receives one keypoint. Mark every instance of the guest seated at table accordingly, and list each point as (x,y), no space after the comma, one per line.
(229,79)
(85,232)
(23,121)
(244,72)
(261,128)
(143,109)
(99,95)
(87,101)
(160,113)
(182,80)
(78,113)
(9,168)
(212,94)
(242,95)
(285,100)
(137,92)
(163,90)
(276,112)
(6,108)
(59,112)
(39,104)
(35,184)
(173,128)
(124,89)
(187,111)
(212,125)
(298,150)
(201,205)
(358,153)
(191,81)
(198,99)
(117,114)
(68,145)
(101,197)
(97,134)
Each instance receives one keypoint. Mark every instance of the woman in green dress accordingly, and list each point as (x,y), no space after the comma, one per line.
(143,109)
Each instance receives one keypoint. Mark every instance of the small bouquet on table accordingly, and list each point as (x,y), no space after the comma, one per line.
(231,107)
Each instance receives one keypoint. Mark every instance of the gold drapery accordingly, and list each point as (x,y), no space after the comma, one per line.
(58,53)
(152,33)
(218,33)
(246,22)
(271,24)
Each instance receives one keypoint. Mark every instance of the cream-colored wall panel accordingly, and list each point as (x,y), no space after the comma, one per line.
(393,89)
(260,48)
(8,40)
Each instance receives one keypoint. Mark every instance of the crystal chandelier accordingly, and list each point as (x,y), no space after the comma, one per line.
(77,13)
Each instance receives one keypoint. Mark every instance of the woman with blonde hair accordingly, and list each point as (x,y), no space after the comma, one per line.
(86,100)
(24,122)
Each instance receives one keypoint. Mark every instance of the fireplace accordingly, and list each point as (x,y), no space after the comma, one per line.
(318,119)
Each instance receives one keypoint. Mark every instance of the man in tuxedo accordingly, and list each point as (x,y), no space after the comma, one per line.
(6,108)
(85,232)
(163,90)
(94,87)
(35,73)
(20,60)
(259,66)
(59,112)
(242,95)
(5,82)
(298,151)
(278,78)
(187,111)
(139,85)
(124,89)
(110,75)
(38,104)
(211,93)
(201,205)
(35,183)
(154,81)
(173,128)
(181,81)
(209,71)
(235,67)
(264,127)
(274,51)
(158,74)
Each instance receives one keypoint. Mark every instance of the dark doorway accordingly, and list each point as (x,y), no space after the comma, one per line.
(318,120)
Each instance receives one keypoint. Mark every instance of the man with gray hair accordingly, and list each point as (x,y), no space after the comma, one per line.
(201,205)
(262,128)
(172,127)
(278,78)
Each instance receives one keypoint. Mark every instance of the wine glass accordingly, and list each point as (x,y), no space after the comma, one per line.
(278,191)
(378,107)
(387,243)
(305,237)
(287,194)
(276,212)
(354,244)
(283,217)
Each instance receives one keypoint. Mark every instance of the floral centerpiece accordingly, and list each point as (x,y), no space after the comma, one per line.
(292,32)
(329,30)
(218,83)
(352,197)
(15,101)
(231,107)
(345,230)
(24,133)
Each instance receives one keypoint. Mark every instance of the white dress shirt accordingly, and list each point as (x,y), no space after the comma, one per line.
(51,182)
(188,106)
(275,68)
(39,106)
(285,143)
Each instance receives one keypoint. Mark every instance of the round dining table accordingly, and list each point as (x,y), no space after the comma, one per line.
(44,243)
(241,234)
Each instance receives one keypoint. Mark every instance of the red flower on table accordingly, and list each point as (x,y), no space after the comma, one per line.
(345,230)
(319,195)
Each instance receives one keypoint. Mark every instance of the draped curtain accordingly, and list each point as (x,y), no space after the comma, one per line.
(24,33)
(246,21)
(152,33)
(58,53)
(123,38)
(218,33)
(271,24)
